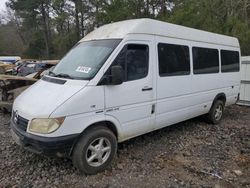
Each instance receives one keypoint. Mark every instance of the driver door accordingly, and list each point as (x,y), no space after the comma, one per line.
(131,102)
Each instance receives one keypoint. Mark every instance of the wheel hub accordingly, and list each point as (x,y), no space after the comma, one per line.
(218,112)
(98,152)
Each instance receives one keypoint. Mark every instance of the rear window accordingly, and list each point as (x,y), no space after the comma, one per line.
(230,61)
(205,60)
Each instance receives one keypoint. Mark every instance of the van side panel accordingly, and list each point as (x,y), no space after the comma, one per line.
(186,96)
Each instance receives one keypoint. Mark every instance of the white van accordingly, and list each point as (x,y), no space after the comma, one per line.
(123,80)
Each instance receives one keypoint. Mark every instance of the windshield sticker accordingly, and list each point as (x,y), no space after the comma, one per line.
(83,69)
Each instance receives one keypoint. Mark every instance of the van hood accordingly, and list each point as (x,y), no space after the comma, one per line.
(42,98)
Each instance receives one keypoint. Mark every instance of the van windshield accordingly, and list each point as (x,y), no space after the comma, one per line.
(85,59)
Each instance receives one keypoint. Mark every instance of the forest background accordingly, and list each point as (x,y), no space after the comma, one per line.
(47,29)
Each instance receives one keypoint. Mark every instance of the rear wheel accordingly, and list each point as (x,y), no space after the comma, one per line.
(95,150)
(216,112)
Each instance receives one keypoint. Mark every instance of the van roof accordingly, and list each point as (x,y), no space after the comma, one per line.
(119,30)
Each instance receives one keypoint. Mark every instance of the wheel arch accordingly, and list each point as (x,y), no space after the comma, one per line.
(105,123)
(111,125)
(220,96)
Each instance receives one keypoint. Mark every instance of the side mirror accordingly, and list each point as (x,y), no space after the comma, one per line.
(117,75)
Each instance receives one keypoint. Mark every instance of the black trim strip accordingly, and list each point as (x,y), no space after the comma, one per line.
(98,112)
(147,89)
(245,81)
(54,80)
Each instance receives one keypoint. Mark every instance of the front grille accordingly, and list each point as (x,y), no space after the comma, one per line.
(20,122)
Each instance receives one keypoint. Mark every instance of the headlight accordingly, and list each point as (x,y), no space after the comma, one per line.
(45,126)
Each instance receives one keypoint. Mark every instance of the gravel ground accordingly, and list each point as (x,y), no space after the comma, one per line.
(189,154)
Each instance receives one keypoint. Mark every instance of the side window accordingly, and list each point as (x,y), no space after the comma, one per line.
(134,60)
(205,60)
(230,61)
(173,59)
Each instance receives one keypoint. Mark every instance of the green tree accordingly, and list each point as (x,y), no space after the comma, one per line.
(36,17)
(227,17)
(49,28)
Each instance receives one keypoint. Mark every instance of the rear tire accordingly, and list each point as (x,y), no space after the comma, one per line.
(95,150)
(216,112)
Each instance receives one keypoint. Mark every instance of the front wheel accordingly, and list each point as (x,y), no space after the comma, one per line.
(216,112)
(95,150)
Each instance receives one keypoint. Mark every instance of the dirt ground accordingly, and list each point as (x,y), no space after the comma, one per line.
(190,154)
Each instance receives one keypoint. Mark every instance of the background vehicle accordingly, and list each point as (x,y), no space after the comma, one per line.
(10,59)
(30,67)
(20,63)
(123,80)
(12,86)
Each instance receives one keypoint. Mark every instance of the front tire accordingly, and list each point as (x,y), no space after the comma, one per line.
(95,150)
(216,112)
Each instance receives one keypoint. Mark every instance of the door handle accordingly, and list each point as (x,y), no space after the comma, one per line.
(147,89)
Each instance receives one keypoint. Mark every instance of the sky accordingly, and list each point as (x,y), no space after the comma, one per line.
(2,5)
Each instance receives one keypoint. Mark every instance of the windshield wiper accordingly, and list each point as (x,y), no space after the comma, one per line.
(51,73)
(60,75)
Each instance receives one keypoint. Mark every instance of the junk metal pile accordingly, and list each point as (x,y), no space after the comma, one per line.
(189,154)
(18,76)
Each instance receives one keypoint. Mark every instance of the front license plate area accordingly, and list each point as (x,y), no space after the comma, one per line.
(16,138)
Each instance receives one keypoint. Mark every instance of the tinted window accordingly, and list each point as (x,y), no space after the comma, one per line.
(230,61)
(173,60)
(134,60)
(205,60)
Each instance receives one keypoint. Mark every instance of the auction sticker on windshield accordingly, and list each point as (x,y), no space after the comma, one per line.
(83,69)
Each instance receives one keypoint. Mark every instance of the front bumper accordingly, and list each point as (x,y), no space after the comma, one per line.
(49,146)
